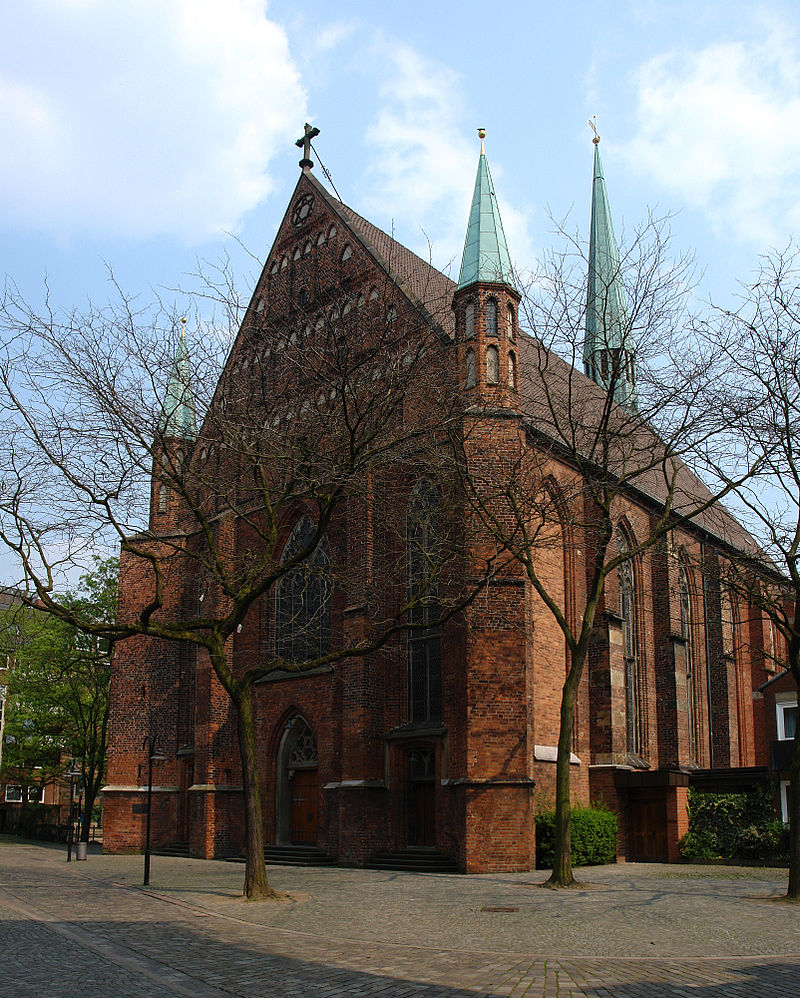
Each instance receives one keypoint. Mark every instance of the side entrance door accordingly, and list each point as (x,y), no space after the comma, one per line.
(647,829)
(304,807)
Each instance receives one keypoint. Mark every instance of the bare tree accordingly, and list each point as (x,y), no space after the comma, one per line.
(329,394)
(758,396)
(591,450)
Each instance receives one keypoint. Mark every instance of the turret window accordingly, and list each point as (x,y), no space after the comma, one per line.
(470,362)
(512,371)
(510,323)
(491,317)
(492,366)
(469,321)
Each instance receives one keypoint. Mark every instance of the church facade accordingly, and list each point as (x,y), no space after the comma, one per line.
(443,741)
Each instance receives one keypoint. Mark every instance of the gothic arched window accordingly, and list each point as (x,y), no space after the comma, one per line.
(510,322)
(491,317)
(634,706)
(512,371)
(469,320)
(422,580)
(470,362)
(302,599)
(492,366)
(685,599)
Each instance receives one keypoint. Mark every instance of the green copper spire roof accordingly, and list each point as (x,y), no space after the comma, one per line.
(485,251)
(178,418)
(607,352)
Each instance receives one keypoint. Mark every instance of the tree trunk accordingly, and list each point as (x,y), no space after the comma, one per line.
(562,858)
(256,885)
(88,806)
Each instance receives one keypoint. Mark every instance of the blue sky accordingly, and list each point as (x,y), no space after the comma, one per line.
(138,133)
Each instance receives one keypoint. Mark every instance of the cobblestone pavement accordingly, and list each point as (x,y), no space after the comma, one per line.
(90,929)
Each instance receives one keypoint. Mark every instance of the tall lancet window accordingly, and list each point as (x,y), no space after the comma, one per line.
(469,320)
(422,579)
(302,599)
(470,363)
(492,365)
(491,317)
(634,704)
(686,622)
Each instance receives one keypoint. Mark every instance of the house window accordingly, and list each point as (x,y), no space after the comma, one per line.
(492,366)
(784,788)
(470,360)
(422,576)
(302,599)
(491,317)
(13,795)
(787,718)
(469,320)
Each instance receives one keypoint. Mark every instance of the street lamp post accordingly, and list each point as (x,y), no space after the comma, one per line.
(153,755)
(72,773)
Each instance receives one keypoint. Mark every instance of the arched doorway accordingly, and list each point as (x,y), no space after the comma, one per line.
(297,785)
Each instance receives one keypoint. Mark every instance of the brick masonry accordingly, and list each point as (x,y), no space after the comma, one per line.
(503,660)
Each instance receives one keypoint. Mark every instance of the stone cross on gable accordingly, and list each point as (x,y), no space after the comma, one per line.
(304,143)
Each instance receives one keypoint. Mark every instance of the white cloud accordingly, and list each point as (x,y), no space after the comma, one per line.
(717,127)
(142,117)
(423,159)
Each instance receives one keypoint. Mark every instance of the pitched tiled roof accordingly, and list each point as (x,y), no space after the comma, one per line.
(552,404)
(559,401)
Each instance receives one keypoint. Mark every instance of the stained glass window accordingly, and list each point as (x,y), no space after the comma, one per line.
(424,645)
(302,600)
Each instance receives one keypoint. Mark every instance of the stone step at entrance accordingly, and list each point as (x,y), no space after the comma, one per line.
(173,849)
(413,861)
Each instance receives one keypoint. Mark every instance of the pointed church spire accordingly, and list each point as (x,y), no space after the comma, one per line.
(178,419)
(485,256)
(608,354)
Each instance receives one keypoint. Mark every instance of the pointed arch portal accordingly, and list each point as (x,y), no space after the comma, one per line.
(297,795)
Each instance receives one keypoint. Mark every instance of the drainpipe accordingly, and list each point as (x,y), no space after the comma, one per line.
(708,655)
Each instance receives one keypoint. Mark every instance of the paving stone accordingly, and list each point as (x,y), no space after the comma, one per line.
(634,931)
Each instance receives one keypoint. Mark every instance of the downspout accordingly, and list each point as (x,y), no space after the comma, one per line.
(708,653)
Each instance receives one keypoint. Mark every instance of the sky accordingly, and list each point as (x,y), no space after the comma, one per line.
(142,135)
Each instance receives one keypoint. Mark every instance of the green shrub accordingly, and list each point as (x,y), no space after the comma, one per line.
(594,836)
(734,826)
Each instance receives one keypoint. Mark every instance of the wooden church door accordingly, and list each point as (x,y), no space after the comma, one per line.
(304,807)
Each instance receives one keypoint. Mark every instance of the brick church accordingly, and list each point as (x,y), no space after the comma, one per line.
(442,742)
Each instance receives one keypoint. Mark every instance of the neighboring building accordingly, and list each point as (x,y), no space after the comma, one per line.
(445,740)
(21,785)
(780,710)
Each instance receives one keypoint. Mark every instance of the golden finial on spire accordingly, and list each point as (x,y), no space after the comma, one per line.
(183,328)
(482,136)
(593,127)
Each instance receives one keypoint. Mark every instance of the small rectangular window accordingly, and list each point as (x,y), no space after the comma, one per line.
(785,801)
(787,719)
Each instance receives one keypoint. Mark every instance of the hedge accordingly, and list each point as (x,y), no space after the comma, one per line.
(734,826)
(593,833)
